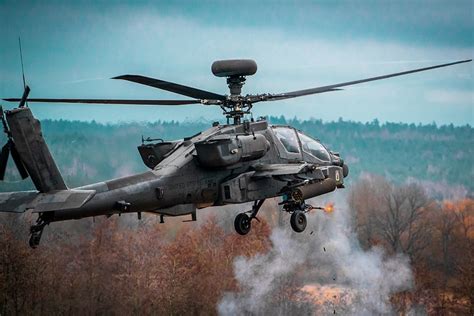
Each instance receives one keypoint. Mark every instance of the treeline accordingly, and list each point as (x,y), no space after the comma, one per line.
(115,266)
(440,157)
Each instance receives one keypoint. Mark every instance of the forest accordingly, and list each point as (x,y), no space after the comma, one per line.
(385,249)
(399,240)
(438,157)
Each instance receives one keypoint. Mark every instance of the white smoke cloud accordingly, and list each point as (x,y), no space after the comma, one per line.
(326,254)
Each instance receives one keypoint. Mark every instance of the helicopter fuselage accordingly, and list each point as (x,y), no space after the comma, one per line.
(181,182)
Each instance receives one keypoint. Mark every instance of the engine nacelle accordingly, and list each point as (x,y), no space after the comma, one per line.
(225,150)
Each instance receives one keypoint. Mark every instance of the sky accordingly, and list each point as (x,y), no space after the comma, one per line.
(70,50)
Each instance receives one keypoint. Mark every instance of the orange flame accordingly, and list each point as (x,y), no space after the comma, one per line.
(331,293)
(329,208)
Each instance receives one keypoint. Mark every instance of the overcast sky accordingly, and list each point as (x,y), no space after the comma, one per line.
(70,51)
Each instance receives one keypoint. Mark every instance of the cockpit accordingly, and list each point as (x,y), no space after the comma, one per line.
(313,147)
(288,139)
(293,142)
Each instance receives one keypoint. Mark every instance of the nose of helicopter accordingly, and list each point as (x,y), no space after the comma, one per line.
(345,170)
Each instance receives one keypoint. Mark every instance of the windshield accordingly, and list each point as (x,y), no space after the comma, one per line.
(287,137)
(314,148)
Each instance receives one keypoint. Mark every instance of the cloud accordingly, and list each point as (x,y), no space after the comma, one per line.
(450,97)
(175,46)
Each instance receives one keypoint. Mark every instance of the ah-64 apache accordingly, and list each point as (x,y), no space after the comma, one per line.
(241,161)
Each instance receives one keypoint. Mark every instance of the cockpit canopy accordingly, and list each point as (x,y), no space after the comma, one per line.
(290,139)
(313,147)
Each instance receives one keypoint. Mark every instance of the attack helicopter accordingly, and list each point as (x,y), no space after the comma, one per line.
(238,162)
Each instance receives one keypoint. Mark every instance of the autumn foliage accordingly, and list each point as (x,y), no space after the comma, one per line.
(438,237)
(120,270)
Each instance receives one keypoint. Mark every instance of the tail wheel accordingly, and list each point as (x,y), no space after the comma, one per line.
(298,221)
(242,224)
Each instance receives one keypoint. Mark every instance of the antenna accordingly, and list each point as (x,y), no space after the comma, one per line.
(22,67)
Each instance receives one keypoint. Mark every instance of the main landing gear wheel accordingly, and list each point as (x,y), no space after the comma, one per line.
(242,224)
(298,221)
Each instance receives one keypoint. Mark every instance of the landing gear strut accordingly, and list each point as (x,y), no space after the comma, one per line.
(36,231)
(298,210)
(243,222)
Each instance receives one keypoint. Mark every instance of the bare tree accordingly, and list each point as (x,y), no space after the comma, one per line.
(391,215)
(365,199)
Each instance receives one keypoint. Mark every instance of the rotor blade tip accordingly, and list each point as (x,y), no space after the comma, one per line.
(121,77)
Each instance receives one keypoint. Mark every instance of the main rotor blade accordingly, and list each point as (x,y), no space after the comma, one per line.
(299,93)
(172,87)
(3,160)
(18,162)
(111,101)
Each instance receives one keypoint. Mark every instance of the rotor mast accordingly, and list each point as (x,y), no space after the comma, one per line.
(235,102)
(235,106)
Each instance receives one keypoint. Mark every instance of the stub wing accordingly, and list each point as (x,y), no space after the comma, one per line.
(19,202)
(288,172)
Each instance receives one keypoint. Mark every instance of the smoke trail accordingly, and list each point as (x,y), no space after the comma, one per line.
(326,254)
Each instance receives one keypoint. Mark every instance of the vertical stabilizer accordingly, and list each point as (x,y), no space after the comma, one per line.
(26,133)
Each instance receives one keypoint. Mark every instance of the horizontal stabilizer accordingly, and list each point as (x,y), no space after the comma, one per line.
(19,202)
(61,200)
(16,202)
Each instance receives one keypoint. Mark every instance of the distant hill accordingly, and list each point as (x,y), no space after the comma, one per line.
(441,157)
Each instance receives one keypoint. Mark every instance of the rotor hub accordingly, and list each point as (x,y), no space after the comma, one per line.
(235,84)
